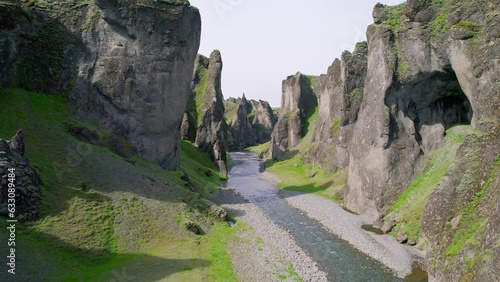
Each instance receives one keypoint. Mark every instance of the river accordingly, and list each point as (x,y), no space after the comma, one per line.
(337,258)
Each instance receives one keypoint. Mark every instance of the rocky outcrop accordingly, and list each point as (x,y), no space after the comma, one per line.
(263,120)
(461,222)
(384,111)
(126,64)
(241,130)
(422,78)
(22,183)
(212,128)
(432,65)
(298,102)
(339,99)
(251,122)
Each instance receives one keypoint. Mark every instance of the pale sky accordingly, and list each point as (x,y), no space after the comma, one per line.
(263,42)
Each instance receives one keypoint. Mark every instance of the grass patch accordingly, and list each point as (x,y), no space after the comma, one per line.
(230,111)
(200,90)
(335,126)
(472,222)
(303,177)
(409,208)
(200,168)
(396,15)
(356,95)
(440,23)
(259,148)
(129,216)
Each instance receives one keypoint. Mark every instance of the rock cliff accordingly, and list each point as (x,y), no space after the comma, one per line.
(250,122)
(298,103)
(26,183)
(339,98)
(411,115)
(126,64)
(422,79)
(432,65)
(241,130)
(211,128)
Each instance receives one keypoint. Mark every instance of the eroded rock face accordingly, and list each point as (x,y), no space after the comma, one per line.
(251,124)
(241,129)
(418,84)
(298,102)
(27,189)
(212,128)
(126,64)
(339,99)
(137,75)
(461,219)
(424,77)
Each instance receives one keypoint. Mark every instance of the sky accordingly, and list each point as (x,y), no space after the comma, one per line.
(263,42)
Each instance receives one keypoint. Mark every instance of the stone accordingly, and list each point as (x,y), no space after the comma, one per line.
(28,192)
(191,226)
(17,142)
(387,226)
(211,134)
(379,13)
(251,122)
(85,134)
(298,102)
(401,237)
(455,221)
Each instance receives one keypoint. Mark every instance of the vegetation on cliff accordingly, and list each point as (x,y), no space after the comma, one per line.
(104,214)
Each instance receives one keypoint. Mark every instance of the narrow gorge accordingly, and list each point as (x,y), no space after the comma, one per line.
(121,159)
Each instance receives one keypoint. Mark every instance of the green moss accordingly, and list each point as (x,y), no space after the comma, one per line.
(396,15)
(408,210)
(199,92)
(468,24)
(356,95)
(472,221)
(300,176)
(93,233)
(251,115)
(230,111)
(202,172)
(335,126)
(440,23)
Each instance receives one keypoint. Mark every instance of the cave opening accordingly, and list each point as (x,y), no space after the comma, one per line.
(434,102)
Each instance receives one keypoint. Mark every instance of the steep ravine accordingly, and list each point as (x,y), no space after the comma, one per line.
(410,117)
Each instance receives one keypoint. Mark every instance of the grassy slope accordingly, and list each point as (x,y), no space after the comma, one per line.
(130,213)
(304,177)
(409,208)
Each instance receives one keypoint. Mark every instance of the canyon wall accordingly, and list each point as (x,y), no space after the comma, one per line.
(212,128)
(298,103)
(251,122)
(125,64)
(412,114)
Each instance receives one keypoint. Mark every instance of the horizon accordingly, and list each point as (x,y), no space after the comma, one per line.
(259,55)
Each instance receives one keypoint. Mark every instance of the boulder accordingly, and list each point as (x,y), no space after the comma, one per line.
(27,188)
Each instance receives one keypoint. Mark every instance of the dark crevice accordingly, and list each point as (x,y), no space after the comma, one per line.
(428,100)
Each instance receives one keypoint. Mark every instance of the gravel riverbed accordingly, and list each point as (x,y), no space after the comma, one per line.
(384,248)
(267,251)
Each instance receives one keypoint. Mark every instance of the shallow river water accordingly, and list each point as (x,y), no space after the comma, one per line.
(334,256)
